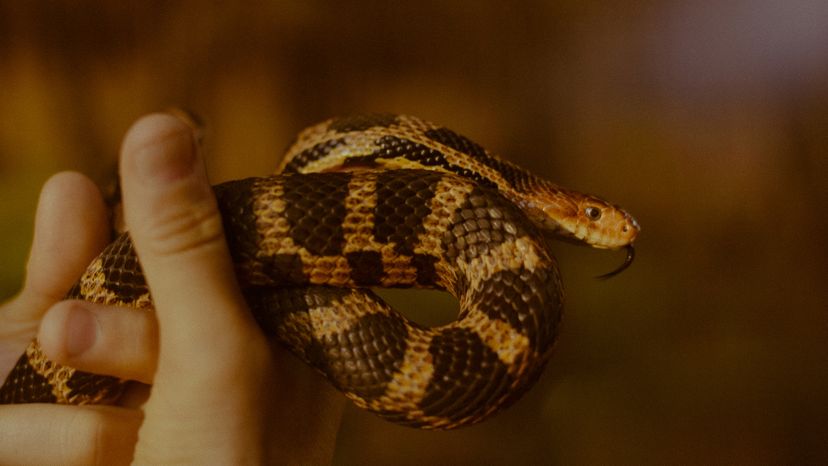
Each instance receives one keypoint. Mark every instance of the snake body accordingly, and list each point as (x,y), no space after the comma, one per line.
(379,201)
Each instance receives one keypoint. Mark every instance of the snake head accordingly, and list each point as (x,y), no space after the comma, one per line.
(582,218)
(586,220)
(599,224)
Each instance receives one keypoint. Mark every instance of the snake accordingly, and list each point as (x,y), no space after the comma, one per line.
(380,201)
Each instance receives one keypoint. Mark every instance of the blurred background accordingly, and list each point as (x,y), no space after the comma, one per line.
(707,120)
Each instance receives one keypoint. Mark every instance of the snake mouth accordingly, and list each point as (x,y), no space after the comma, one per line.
(627,262)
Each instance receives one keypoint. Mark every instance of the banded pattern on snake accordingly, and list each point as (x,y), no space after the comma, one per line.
(381,201)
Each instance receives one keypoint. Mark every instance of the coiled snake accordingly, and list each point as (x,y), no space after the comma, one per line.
(381,201)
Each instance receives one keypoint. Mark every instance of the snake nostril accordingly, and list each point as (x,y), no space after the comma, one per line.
(625,228)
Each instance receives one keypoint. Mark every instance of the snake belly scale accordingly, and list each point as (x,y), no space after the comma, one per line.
(366,202)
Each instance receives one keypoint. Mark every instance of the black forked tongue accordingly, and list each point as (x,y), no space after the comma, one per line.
(627,262)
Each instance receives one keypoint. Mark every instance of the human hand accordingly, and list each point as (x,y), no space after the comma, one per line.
(221,393)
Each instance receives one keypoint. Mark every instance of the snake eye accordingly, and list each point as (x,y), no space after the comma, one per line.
(593,213)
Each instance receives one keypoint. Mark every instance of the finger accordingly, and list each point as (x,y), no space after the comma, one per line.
(36,434)
(71,228)
(213,355)
(174,221)
(173,218)
(101,339)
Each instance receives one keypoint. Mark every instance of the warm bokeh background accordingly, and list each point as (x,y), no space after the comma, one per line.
(708,120)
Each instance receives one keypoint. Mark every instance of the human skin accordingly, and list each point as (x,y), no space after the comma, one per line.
(221,392)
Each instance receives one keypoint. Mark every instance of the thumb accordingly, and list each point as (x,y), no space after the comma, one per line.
(211,351)
(172,216)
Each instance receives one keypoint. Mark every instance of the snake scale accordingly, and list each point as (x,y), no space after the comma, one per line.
(381,201)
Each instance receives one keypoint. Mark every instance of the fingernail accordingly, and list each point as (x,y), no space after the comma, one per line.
(81,331)
(170,155)
(191,119)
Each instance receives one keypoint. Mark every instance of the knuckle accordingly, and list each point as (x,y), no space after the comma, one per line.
(99,436)
(137,338)
(80,437)
(183,229)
